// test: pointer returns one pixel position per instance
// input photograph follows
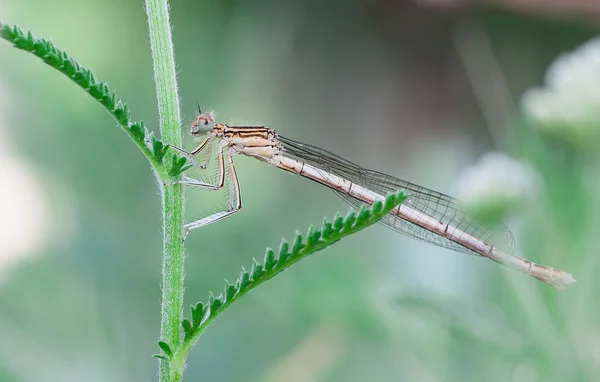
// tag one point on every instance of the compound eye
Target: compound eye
(203, 123)
(206, 119)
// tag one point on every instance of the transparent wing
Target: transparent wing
(434, 204)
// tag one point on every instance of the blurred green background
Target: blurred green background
(418, 89)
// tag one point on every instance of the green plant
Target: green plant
(178, 337)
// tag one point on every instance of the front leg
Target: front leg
(220, 181)
(220, 166)
(190, 155)
(235, 200)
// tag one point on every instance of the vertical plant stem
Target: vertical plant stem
(173, 276)
(172, 195)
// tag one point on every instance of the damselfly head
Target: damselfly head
(203, 123)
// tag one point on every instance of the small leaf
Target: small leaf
(178, 165)
(160, 356)
(165, 348)
(197, 314)
(187, 328)
(159, 149)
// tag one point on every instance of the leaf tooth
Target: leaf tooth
(217, 303)
(269, 259)
(197, 314)
(188, 330)
(298, 245)
(244, 278)
(338, 223)
(257, 270)
(363, 215)
(284, 253)
(377, 207)
(230, 291)
(327, 229)
(313, 238)
(350, 220)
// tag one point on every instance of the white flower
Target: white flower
(495, 186)
(24, 216)
(569, 101)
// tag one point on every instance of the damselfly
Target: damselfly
(426, 215)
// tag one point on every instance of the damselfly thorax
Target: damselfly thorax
(255, 141)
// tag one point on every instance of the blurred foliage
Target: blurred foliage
(380, 82)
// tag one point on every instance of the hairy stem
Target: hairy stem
(172, 195)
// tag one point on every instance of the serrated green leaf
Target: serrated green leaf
(316, 241)
(84, 77)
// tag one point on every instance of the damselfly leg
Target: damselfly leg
(235, 201)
